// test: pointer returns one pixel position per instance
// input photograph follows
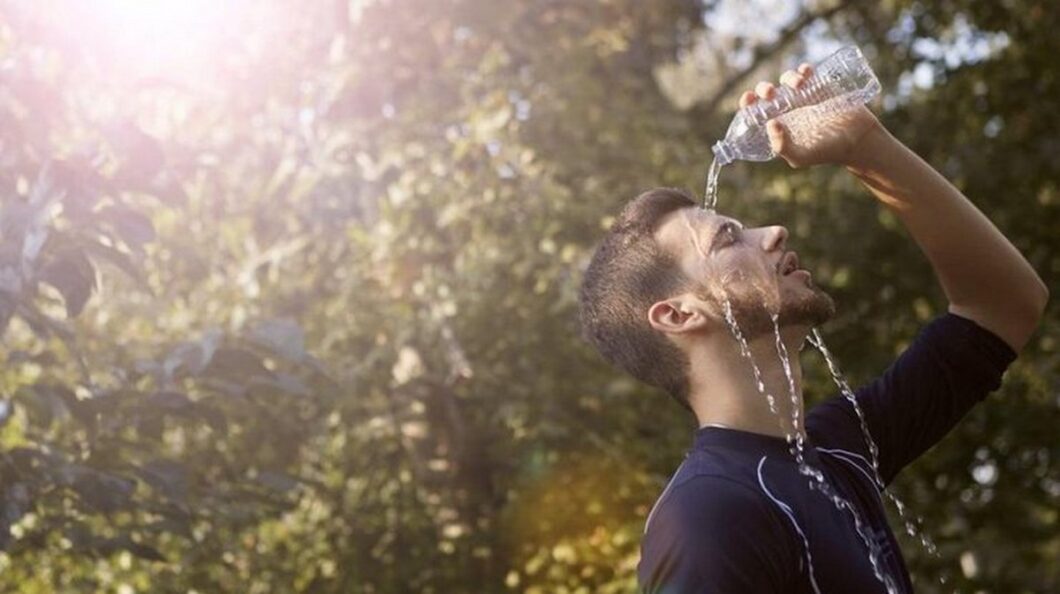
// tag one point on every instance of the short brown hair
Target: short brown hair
(628, 273)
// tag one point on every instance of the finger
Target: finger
(805, 69)
(765, 90)
(747, 98)
(778, 137)
(792, 79)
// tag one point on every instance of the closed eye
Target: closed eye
(726, 236)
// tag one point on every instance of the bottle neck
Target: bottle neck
(724, 153)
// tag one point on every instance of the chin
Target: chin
(810, 308)
(806, 306)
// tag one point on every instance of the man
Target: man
(658, 300)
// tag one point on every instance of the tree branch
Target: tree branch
(764, 52)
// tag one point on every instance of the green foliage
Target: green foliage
(305, 321)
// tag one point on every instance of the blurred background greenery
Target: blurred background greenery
(287, 289)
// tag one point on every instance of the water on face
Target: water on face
(818, 481)
(911, 526)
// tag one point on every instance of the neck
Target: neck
(725, 391)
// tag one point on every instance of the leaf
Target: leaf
(187, 355)
(211, 339)
(170, 525)
(213, 417)
(44, 326)
(150, 426)
(166, 476)
(167, 187)
(236, 363)
(15, 500)
(282, 335)
(125, 542)
(42, 406)
(118, 259)
(283, 382)
(73, 276)
(144, 551)
(43, 358)
(143, 153)
(133, 227)
(277, 481)
(81, 410)
(170, 401)
(7, 309)
(105, 492)
(194, 357)
(83, 185)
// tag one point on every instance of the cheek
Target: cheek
(747, 277)
(744, 266)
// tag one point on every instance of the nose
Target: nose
(775, 238)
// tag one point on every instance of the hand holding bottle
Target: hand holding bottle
(804, 139)
(820, 111)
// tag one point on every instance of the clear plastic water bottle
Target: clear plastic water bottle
(841, 82)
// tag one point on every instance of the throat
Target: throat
(756, 386)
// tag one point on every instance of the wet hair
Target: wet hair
(628, 273)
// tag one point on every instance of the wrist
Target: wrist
(868, 148)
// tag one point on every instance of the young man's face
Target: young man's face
(751, 268)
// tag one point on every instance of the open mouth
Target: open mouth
(788, 263)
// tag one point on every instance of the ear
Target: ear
(678, 315)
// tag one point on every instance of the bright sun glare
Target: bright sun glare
(145, 37)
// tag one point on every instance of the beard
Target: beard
(754, 316)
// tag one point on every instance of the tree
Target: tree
(303, 318)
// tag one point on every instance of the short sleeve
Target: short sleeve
(715, 535)
(951, 365)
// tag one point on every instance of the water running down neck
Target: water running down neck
(796, 436)
(817, 481)
(913, 527)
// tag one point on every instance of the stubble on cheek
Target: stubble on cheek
(756, 300)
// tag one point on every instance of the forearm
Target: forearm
(982, 274)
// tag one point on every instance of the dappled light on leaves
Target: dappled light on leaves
(288, 289)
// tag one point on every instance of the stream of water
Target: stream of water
(912, 527)
(710, 194)
(795, 434)
(796, 439)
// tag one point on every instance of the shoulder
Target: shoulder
(704, 503)
(718, 532)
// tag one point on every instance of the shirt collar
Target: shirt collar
(707, 438)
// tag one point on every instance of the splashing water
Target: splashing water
(818, 482)
(782, 352)
(912, 527)
(796, 438)
(710, 194)
(807, 470)
(745, 350)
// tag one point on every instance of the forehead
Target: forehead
(680, 227)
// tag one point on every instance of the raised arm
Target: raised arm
(983, 275)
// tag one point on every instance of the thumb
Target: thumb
(780, 142)
(778, 137)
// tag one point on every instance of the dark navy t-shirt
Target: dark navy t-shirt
(737, 517)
